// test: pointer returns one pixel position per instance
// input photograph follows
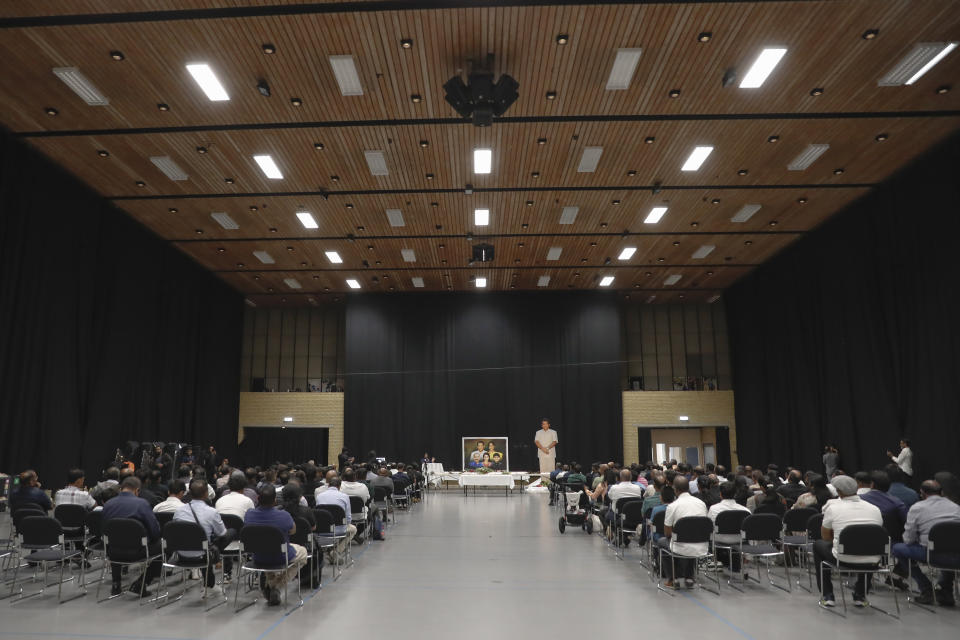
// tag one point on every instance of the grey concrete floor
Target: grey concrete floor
(488, 564)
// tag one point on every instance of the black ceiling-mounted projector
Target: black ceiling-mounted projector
(481, 98)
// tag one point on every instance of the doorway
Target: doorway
(692, 445)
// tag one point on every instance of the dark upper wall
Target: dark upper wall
(106, 332)
(850, 336)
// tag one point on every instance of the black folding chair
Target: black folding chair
(943, 554)
(795, 536)
(630, 516)
(656, 527)
(381, 500)
(728, 523)
(264, 540)
(93, 539)
(125, 543)
(71, 517)
(692, 530)
(182, 537)
(164, 517)
(862, 540)
(762, 533)
(358, 513)
(41, 542)
(232, 550)
(339, 518)
(304, 537)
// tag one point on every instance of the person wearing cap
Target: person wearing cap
(838, 514)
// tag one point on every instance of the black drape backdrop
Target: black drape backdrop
(425, 370)
(264, 445)
(850, 336)
(107, 333)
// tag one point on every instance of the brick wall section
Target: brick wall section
(269, 409)
(662, 408)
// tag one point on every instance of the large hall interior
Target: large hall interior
(525, 317)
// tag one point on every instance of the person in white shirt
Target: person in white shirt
(174, 499)
(904, 459)
(546, 441)
(235, 502)
(74, 493)
(728, 491)
(838, 514)
(684, 506)
(623, 489)
(351, 487)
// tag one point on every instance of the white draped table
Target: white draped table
(491, 481)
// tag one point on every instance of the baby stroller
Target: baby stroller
(576, 507)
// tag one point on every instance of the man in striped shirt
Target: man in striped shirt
(74, 492)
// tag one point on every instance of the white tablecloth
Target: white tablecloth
(486, 480)
(433, 467)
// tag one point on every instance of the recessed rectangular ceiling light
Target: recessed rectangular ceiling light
(624, 66)
(590, 159)
(807, 157)
(482, 160)
(376, 162)
(293, 283)
(209, 84)
(655, 215)
(169, 168)
(553, 253)
(915, 64)
(408, 255)
(333, 257)
(395, 217)
(696, 158)
(746, 212)
(79, 84)
(762, 67)
(306, 219)
(568, 215)
(353, 284)
(703, 251)
(269, 167)
(345, 71)
(264, 257)
(606, 281)
(543, 281)
(672, 279)
(480, 282)
(627, 253)
(684, 418)
(481, 217)
(224, 220)
(417, 282)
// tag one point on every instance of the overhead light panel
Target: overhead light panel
(307, 220)
(417, 282)
(480, 282)
(807, 157)
(353, 284)
(746, 212)
(79, 84)
(915, 64)
(762, 67)
(684, 418)
(624, 66)
(655, 215)
(345, 71)
(224, 220)
(481, 217)
(543, 281)
(264, 257)
(209, 84)
(293, 283)
(553, 253)
(703, 251)
(672, 279)
(627, 253)
(376, 162)
(395, 217)
(696, 158)
(482, 160)
(169, 168)
(568, 215)
(269, 167)
(606, 281)
(333, 257)
(408, 255)
(590, 159)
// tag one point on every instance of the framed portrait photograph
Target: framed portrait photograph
(488, 453)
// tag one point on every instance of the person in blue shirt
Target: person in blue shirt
(898, 488)
(266, 513)
(128, 504)
(667, 495)
(29, 492)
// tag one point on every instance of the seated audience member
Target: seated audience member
(201, 513)
(576, 477)
(235, 501)
(817, 494)
(330, 474)
(188, 457)
(146, 490)
(949, 485)
(709, 492)
(383, 479)
(847, 510)
(128, 504)
(930, 510)
(650, 501)
(333, 495)
(598, 479)
(267, 514)
(769, 502)
(401, 480)
(29, 492)
(872, 487)
(291, 502)
(174, 499)
(200, 474)
(623, 489)
(111, 478)
(667, 496)
(685, 505)
(727, 503)
(907, 495)
(74, 492)
(793, 488)
(370, 472)
(351, 487)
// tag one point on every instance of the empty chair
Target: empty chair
(259, 542)
(71, 517)
(630, 517)
(41, 541)
(760, 535)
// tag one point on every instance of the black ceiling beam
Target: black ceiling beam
(486, 265)
(494, 236)
(323, 8)
(339, 124)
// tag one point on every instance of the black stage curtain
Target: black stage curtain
(265, 445)
(107, 333)
(425, 370)
(850, 336)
